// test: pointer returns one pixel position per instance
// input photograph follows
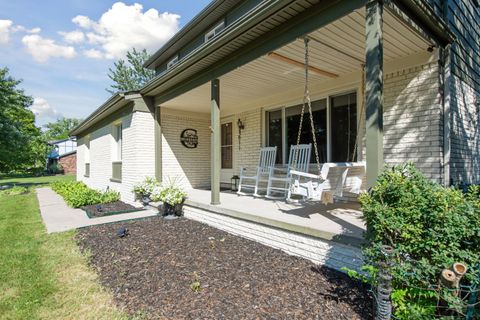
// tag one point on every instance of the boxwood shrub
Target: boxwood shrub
(430, 227)
(77, 194)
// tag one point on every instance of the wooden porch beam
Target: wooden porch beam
(279, 57)
(215, 157)
(374, 89)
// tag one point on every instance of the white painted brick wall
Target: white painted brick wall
(246, 154)
(465, 133)
(138, 159)
(319, 251)
(190, 166)
(412, 119)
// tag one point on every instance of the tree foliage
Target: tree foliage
(130, 75)
(59, 129)
(20, 140)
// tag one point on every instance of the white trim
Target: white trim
(214, 31)
(172, 62)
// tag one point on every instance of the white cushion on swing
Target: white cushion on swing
(334, 179)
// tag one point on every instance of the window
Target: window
(282, 128)
(172, 62)
(87, 156)
(87, 149)
(117, 136)
(292, 122)
(274, 132)
(227, 147)
(343, 117)
(216, 30)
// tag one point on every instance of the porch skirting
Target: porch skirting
(320, 251)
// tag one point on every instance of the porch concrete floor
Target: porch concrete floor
(332, 221)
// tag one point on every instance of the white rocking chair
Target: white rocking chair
(334, 179)
(267, 160)
(279, 179)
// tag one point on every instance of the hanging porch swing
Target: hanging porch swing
(332, 178)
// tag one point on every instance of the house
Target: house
(63, 154)
(390, 82)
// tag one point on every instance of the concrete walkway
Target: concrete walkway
(57, 216)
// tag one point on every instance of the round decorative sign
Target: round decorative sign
(189, 138)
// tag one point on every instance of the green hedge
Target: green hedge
(430, 227)
(77, 194)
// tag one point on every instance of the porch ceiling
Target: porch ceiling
(338, 48)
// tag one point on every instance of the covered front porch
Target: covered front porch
(367, 65)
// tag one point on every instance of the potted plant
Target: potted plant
(143, 190)
(173, 198)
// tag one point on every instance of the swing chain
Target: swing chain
(307, 101)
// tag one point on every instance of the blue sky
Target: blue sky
(62, 49)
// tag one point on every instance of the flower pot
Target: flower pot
(172, 210)
(146, 200)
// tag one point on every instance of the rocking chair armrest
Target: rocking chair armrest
(305, 174)
(278, 169)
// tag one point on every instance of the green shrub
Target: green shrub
(430, 227)
(14, 191)
(77, 194)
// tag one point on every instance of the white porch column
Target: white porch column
(215, 157)
(374, 89)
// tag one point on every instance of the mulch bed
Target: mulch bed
(108, 209)
(152, 271)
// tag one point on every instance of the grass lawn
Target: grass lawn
(44, 276)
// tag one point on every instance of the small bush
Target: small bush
(77, 194)
(430, 227)
(14, 191)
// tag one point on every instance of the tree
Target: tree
(60, 129)
(20, 139)
(130, 75)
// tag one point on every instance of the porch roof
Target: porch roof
(263, 29)
(337, 48)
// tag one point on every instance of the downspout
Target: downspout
(446, 99)
(445, 88)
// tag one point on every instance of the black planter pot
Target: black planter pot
(175, 210)
(145, 200)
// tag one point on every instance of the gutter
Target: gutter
(427, 17)
(191, 25)
(231, 32)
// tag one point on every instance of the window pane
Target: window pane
(227, 134)
(344, 127)
(227, 149)
(227, 161)
(292, 118)
(274, 132)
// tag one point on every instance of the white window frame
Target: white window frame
(172, 62)
(317, 97)
(214, 31)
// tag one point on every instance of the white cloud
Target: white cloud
(76, 36)
(124, 27)
(5, 29)
(83, 21)
(93, 53)
(43, 110)
(20, 28)
(43, 49)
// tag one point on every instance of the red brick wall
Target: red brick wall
(69, 163)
